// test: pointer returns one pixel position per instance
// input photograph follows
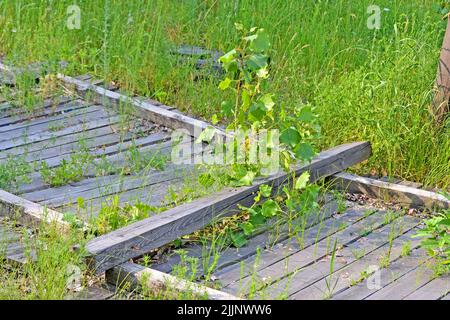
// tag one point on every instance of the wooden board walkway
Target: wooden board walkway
(57, 132)
(376, 257)
(275, 263)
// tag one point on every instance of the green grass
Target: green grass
(365, 84)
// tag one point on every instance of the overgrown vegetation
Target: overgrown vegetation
(366, 84)
(14, 171)
(437, 240)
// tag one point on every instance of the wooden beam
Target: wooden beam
(145, 109)
(136, 275)
(442, 95)
(26, 212)
(392, 192)
(143, 236)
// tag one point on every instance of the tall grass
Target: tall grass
(366, 84)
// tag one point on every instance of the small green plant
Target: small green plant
(13, 172)
(251, 108)
(113, 215)
(437, 240)
(406, 249)
(68, 171)
(137, 161)
(329, 280)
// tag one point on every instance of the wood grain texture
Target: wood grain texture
(26, 212)
(389, 191)
(146, 110)
(135, 274)
(139, 238)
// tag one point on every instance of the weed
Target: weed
(14, 171)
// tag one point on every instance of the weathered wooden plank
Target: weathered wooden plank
(115, 159)
(64, 121)
(143, 236)
(348, 268)
(93, 145)
(152, 195)
(135, 274)
(396, 269)
(288, 271)
(39, 147)
(92, 293)
(146, 110)
(405, 285)
(261, 240)
(5, 145)
(34, 70)
(433, 290)
(127, 188)
(72, 107)
(12, 113)
(27, 212)
(11, 248)
(240, 272)
(388, 191)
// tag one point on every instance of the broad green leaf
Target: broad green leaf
(238, 239)
(258, 111)
(265, 190)
(228, 57)
(290, 137)
(251, 38)
(257, 61)
(257, 219)
(206, 135)
(227, 108)
(225, 83)
(246, 100)
(270, 208)
(248, 228)
(268, 101)
(246, 180)
(304, 151)
(214, 119)
(261, 43)
(306, 114)
(302, 181)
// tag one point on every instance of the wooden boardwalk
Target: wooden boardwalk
(365, 252)
(59, 131)
(376, 257)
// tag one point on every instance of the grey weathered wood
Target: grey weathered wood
(388, 191)
(229, 256)
(48, 105)
(433, 290)
(348, 268)
(146, 110)
(44, 136)
(27, 212)
(46, 121)
(287, 270)
(135, 274)
(405, 285)
(138, 238)
(92, 293)
(396, 269)
(91, 114)
(11, 247)
(282, 251)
